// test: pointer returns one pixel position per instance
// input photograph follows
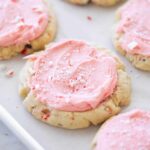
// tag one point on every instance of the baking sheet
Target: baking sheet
(72, 23)
(8, 140)
(19, 133)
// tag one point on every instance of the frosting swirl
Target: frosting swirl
(21, 21)
(73, 76)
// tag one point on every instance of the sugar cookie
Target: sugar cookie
(25, 26)
(132, 37)
(73, 85)
(128, 131)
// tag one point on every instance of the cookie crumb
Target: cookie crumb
(132, 45)
(37, 9)
(17, 107)
(10, 73)
(89, 18)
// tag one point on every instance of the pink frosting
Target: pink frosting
(73, 76)
(129, 131)
(21, 21)
(135, 25)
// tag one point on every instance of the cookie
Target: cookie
(25, 27)
(97, 2)
(79, 2)
(73, 84)
(132, 33)
(128, 131)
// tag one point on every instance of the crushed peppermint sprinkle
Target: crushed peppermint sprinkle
(37, 9)
(31, 71)
(50, 64)
(89, 18)
(37, 86)
(68, 72)
(75, 82)
(17, 19)
(72, 83)
(81, 79)
(10, 73)
(113, 131)
(93, 69)
(50, 78)
(45, 116)
(132, 45)
(20, 23)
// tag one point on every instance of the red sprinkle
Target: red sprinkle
(89, 18)
(45, 116)
(108, 109)
(23, 52)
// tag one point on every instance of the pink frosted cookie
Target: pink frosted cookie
(73, 85)
(128, 131)
(25, 26)
(132, 36)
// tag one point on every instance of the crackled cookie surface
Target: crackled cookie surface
(128, 131)
(133, 32)
(21, 23)
(73, 78)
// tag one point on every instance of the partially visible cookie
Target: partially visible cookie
(80, 2)
(73, 85)
(128, 131)
(97, 2)
(132, 37)
(105, 2)
(25, 26)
